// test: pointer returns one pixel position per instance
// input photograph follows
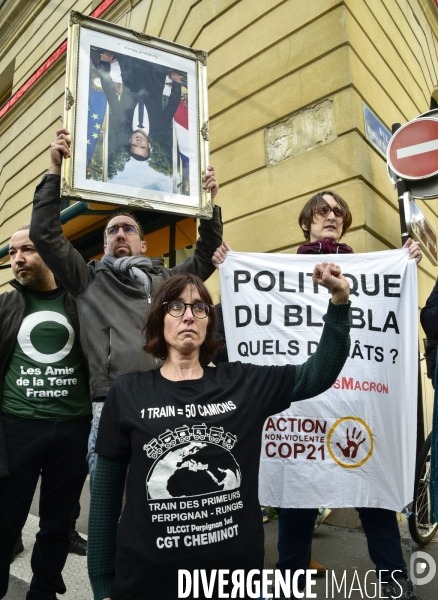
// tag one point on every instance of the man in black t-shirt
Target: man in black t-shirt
(46, 414)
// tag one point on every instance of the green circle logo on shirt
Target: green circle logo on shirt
(32, 321)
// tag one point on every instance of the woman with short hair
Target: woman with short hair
(191, 436)
(324, 219)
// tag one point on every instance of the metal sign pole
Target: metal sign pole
(401, 189)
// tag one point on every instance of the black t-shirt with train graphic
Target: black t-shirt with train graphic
(192, 488)
(193, 449)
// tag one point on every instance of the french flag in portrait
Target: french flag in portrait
(181, 119)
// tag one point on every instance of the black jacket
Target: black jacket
(429, 322)
(12, 311)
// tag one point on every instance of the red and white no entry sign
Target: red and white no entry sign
(413, 149)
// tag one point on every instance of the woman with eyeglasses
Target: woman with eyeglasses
(324, 219)
(191, 436)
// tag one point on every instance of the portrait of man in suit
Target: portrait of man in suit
(142, 92)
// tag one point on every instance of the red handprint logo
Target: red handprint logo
(350, 442)
(353, 443)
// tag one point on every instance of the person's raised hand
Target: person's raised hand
(210, 184)
(414, 250)
(220, 254)
(59, 149)
(329, 276)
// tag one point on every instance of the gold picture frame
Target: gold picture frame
(136, 108)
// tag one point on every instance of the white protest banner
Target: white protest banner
(353, 445)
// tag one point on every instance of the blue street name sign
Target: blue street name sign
(375, 131)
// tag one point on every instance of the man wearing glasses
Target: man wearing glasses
(114, 293)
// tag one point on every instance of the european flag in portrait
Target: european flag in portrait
(96, 112)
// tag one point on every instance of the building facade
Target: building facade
(288, 81)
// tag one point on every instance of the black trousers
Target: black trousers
(58, 452)
(295, 533)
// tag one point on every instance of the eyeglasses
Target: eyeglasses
(324, 210)
(177, 308)
(114, 229)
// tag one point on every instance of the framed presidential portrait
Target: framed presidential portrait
(136, 108)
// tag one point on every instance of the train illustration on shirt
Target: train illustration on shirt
(168, 439)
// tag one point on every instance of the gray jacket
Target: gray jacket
(112, 307)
